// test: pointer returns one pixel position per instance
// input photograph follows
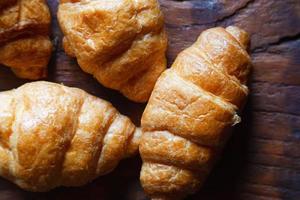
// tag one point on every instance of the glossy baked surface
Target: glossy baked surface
(190, 113)
(121, 43)
(52, 135)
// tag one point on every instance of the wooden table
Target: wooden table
(262, 160)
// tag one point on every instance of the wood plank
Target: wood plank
(262, 159)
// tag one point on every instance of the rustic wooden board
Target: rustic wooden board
(262, 160)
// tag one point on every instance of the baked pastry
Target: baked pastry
(24, 37)
(121, 43)
(53, 135)
(190, 112)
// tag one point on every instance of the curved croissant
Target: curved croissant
(24, 37)
(52, 135)
(121, 43)
(191, 109)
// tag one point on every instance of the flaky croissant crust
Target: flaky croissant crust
(190, 112)
(53, 135)
(121, 43)
(24, 37)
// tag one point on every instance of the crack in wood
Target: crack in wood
(277, 84)
(276, 112)
(280, 41)
(286, 166)
(266, 191)
(219, 20)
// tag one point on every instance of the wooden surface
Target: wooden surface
(262, 160)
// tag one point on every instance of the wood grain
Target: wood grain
(262, 159)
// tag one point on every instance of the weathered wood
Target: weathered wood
(262, 159)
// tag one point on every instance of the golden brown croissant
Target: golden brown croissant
(190, 112)
(121, 43)
(52, 135)
(24, 37)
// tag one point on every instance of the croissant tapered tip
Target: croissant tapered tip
(240, 35)
(133, 145)
(31, 73)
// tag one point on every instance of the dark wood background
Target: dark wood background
(262, 160)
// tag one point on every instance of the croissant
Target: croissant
(191, 109)
(24, 37)
(52, 135)
(121, 43)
